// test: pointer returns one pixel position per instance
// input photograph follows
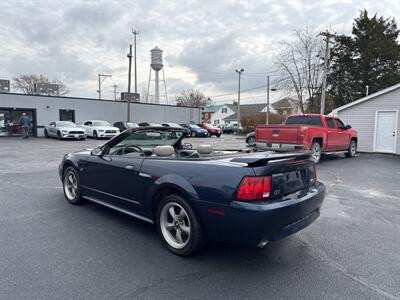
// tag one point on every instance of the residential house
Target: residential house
(208, 112)
(284, 106)
(227, 113)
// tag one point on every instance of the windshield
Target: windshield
(101, 123)
(304, 120)
(194, 126)
(149, 139)
(132, 125)
(209, 126)
(65, 124)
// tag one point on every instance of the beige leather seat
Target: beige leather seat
(164, 151)
(205, 150)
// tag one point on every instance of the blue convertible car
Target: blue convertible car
(195, 195)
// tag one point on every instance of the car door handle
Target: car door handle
(129, 167)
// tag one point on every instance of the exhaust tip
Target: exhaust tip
(262, 243)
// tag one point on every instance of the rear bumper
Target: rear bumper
(279, 146)
(252, 223)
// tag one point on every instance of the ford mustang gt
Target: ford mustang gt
(196, 195)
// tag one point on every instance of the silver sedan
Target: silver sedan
(64, 130)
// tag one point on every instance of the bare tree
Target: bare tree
(299, 66)
(191, 97)
(26, 84)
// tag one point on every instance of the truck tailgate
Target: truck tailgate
(278, 134)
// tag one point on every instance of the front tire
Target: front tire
(46, 134)
(351, 152)
(59, 135)
(71, 186)
(179, 226)
(316, 152)
(193, 134)
(95, 135)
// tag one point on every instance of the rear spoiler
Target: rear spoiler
(262, 159)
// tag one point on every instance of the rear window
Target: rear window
(304, 120)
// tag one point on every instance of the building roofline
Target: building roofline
(369, 97)
(92, 99)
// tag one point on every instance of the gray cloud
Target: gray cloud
(203, 42)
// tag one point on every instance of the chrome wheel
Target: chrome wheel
(251, 141)
(316, 152)
(70, 185)
(353, 148)
(175, 225)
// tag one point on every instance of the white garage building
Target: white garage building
(376, 118)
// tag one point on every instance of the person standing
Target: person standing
(25, 122)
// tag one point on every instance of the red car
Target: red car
(212, 130)
(318, 133)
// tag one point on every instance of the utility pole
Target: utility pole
(128, 117)
(104, 76)
(267, 118)
(327, 36)
(135, 33)
(115, 91)
(238, 108)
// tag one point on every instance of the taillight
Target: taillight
(254, 188)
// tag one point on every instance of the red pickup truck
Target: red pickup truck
(317, 133)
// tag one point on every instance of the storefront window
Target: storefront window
(9, 122)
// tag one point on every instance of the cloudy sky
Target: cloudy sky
(203, 41)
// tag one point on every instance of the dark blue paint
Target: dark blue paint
(206, 184)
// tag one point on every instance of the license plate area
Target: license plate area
(288, 183)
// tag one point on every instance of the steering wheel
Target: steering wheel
(134, 148)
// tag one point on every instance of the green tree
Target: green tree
(369, 57)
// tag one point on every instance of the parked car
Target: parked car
(211, 129)
(125, 125)
(194, 195)
(147, 124)
(64, 130)
(195, 131)
(251, 139)
(187, 131)
(99, 129)
(231, 128)
(317, 133)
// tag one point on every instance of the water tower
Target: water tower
(156, 65)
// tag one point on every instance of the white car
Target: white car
(64, 130)
(99, 129)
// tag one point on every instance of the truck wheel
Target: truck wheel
(251, 141)
(351, 152)
(316, 152)
(179, 226)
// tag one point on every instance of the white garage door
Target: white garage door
(386, 131)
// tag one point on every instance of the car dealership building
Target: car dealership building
(44, 109)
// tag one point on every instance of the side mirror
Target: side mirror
(187, 146)
(347, 127)
(97, 151)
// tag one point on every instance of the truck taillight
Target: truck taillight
(254, 188)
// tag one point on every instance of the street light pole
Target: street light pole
(238, 104)
(128, 117)
(267, 118)
(101, 81)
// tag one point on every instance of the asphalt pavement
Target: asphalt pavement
(50, 249)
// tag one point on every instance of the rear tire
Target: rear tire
(179, 226)
(316, 152)
(251, 141)
(351, 152)
(71, 186)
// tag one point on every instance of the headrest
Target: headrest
(165, 150)
(204, 149)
